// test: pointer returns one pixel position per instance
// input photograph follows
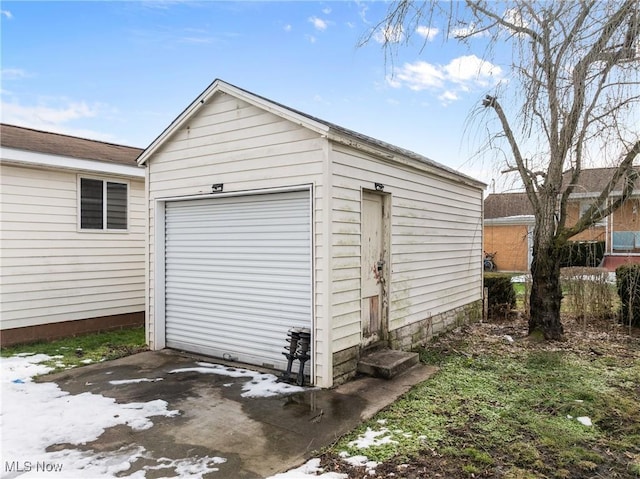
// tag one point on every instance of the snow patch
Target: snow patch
(118, 382)
(360, 461)
(309, 469)
(35, 416)
(259, 384)
(584, 420)
(372, 438)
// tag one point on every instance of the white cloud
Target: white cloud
(197, 40)
(46, 114)
(311, 38)
(318, 23)
(428, 33)
(362, 11)
(419, 76)
(287, 28)
(389, 34)
(448, 97)
(467, 30)
(460, 75)
(6, 13)
(56, 118)
(326, 10)
(13, 74)
(470, 68)
(513, 16)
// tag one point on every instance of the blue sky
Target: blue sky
(122, 71)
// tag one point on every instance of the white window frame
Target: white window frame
(582, 209)
(104, 180)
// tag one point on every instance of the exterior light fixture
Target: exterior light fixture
(217, 187)
(379, 186)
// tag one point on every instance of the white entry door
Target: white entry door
(372, 268)
(238, 275)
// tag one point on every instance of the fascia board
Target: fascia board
(219, 86)
(33, 158)
(393, 157)
(511, 220)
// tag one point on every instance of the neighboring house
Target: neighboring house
(508, 230)
(72, 235)
(264, 219)
(509, 222)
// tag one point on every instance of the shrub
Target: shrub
(628, 285)
(501, 294)
(587, 293)
(582, 253)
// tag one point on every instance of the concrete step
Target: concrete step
(386, 363)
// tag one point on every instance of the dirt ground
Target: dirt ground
(604, 338)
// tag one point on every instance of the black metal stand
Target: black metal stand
(299, 343)
(293, 336)
(303, 355)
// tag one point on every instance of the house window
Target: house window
(584, 206)
(103, 204)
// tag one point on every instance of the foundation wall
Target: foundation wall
(408, 338)
(65, 329)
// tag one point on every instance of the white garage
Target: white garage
(235, 265)
(263, 219)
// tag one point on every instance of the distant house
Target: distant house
(509, 222)
(508, 230)
(264, 219)
(72, 235)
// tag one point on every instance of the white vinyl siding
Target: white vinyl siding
(249, 145)
(238, 275)
(49, 271)
(232, 142)
(436, 242)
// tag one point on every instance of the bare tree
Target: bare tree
(573, 88)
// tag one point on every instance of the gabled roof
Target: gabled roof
(57, 144)
(502, 205)
(592, 182)
(324, 128)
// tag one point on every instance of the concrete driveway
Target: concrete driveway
(258, 436)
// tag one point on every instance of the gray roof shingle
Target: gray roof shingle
(64, 145)
(504, 205)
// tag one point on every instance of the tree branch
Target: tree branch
(596, 213)
(492, 102)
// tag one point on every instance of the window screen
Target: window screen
(91, 204)
(103, 204)
(116, 206)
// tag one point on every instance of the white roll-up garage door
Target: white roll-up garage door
(238, 275)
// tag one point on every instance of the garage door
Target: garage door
(238, 275)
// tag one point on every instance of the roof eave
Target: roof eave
(511, 220)
(219, 86)
(29, 158)
(421, 163)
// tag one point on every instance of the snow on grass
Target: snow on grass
(360, 461)
(310, 469)
(259, 384)
(372, 438)
(584, 420)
